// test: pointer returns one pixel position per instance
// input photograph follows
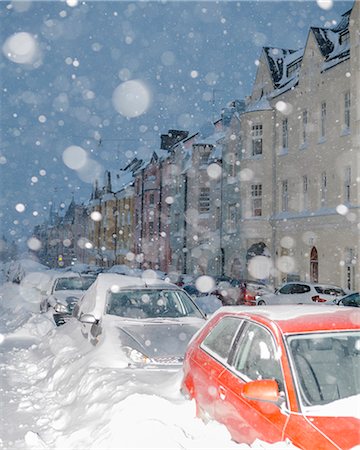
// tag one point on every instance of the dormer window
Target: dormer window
(292, 68)
(344, 37)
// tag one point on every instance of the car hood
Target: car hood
(156, 338)
(343, 431)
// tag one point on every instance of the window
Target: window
(204, 154)
(256, 357)
(285, 134)
(322, 120)
(204, 200)
(151, 199)
(232, 165)
(304, 126)
(218, 342)
(177, 222)
(256, 199)
(294, 289)
(292, 68)
(284, 196)
(347, 185)
(323, 189)
(345, 38)
(256, 134)
(305, 191)
(350, 260)
(151, 228)
(347, 110)
(232, 218)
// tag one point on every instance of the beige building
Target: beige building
(297, 145)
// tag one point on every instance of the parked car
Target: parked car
(227, 289)
(123, 269)
(232, 291)
(352, 299)
(150, 321)
(250, 290)
(62, 293)
(301, 292)
(208, 303)
(272, 376)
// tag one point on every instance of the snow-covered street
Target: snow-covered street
(57, 391)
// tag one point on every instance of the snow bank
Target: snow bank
(58, 396)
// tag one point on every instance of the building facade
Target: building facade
(299, 159)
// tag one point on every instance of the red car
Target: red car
(274, 374)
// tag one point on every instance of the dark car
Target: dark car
(350, 300)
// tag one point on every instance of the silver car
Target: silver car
(63, 292)
(298, 292)
(151, 321)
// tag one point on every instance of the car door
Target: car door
(294, 293)
(254, 358)
(208, 361)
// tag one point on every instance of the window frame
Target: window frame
(210, 351)
(204, 200)
(347, 113)
(257, 139)
(285, 134)
(347, 185)
(256, 198)
(323, 113)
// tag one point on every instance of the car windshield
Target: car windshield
(326, 366)
(151, 303)
(74, 283)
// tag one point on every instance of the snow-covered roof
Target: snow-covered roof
(333, 47)
(284, 64)
(122, 180)
(277, 61)
(262, 104)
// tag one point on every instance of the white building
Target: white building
(297, 145)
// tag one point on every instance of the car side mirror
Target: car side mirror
(88, 318)
(262, 390)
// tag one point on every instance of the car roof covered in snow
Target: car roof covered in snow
(300, 318)
(94, 300)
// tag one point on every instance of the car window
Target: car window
(327, 366)
(329, 290)
(256, 357)
(351, 300)
(286, 289)
(218, 342)
(73, 283)
(301, 288)
(151, 303)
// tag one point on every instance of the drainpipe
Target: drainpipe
(272, 220)
(185, 224)
(222, 250)
(160, 211)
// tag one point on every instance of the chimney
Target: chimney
(171, 138)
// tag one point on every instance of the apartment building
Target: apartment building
(298, 148)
